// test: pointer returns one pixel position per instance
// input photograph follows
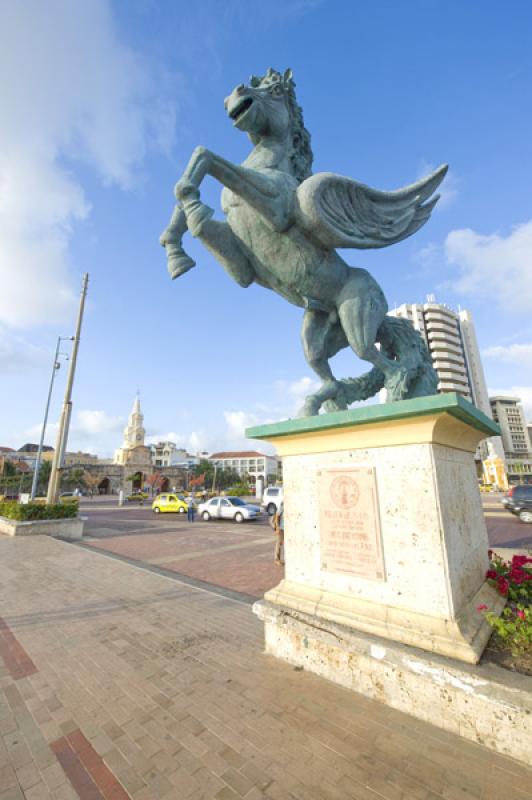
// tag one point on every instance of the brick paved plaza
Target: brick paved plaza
(238, 558)
(148, 682)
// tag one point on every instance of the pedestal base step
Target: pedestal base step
(483, 703)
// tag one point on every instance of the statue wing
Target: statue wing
(341, 212)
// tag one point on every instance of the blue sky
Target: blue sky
(105, 102)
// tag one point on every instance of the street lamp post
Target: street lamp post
(64, 420)
(55, 367)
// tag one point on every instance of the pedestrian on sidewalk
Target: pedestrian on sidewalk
(277, 523)
(190, 508)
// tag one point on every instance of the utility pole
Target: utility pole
(66, 411)
(55, 367)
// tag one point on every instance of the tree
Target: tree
(91, 480)
(223, 478)
(16, 476)
(9, 469)
(155, 480)
(73, 478)
(45, 469)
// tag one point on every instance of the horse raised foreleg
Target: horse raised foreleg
(259, 190)
(220, 240)
(178, 261)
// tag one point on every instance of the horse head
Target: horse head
(267, 108)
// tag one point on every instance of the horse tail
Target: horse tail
(363, 387)
(404, 344)
(415, 376)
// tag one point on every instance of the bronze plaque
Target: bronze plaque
(350, 533)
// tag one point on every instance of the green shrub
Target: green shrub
(34, 511)
(239, 490)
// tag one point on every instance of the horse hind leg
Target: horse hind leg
(361, 318)
(322, 337)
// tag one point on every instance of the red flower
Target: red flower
(482, 607)
(502, 585)
(491, 574)
(520, 613)
(520, 561)
(517, 576)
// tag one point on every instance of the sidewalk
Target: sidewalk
(118, 683)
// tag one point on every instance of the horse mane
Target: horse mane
(302, 156)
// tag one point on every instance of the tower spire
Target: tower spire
(136, 404)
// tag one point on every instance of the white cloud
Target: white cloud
(17, 355)
(91, 430)
(96, 423)
(448, 190)
(72, 91)
(495, 267)
(287, 399)
(520, 354)
(291, 395)
(524, 393)
(191, 442)
(237, 422)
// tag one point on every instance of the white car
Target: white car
(272, 499)
(228, 508)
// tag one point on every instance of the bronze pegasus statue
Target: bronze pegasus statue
(283, 225)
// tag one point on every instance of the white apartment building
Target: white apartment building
(168, 454)
(452, 343)
(248, 462)
(508, 413)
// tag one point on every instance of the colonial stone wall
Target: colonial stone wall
(114, 477)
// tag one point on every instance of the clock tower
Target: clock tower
(133, 451)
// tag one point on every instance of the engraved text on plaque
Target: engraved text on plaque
(350, 532)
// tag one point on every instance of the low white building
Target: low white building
(248, 462)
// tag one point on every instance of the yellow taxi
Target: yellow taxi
(169, 502)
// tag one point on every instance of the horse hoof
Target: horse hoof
(178, 262)
(310, 408)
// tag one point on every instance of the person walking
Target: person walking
(190, 508)
(277, 523)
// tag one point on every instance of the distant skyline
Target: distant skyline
(104, 104)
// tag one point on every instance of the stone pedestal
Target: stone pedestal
(384, 530)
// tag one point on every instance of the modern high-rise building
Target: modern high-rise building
(508, 413)
(452, 343)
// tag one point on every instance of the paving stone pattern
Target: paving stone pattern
(236, 557)
(146, 688)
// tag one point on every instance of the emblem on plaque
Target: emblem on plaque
(344, 491)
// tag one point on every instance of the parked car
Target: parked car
(518, 500)
(272, 499)
(228, 508)
(169, 502)
(138, 497)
